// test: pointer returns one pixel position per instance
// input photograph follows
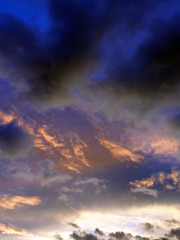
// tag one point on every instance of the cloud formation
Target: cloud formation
(13, 230)
(145, 190)
(47, 70)
(12, 202)
(169, 181)
(14, 140)
(175, 232)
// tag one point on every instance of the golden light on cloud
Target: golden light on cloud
(13, 230)
(7, 118)
(49, 138)
(148, 182)
(120, 152)
(165, 146)
(12, 202)
(169, 181)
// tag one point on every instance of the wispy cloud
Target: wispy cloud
(12, 202)
(13, 230)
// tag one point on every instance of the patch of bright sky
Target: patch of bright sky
(128, 220)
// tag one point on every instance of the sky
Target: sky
(89, 120)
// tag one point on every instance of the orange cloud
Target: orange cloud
(162, 178)
(13, 230)
(49, 138)
(11, 202)
(148, 182)
(175, 176)
(169, 181)
(119, 152)
(165, 146)
(7, 118)
(75, 158)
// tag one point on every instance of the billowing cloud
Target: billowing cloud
(120, 236)
(48, 70)
(107, 75)
(83, 236)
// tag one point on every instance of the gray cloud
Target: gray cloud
(58, 237)
(14, 140)
(46, 70)
(120, 236)
(148, 227)
(175, 232)
(48, 175)
(74, 225)
(145, 190)
(83, 236)
(99, 232)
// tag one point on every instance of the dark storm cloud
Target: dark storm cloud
(154, 70)
(83, 236)
(99, 232)
(112, 236)
(141, 238)
(46, 66)
(14, 140)
(175, 232)
(120, 236)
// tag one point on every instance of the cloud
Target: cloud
(172, 222)
(148, 182)
(83, 236)
(99, 232)
(93, 181)
(13, 230)
(120, 236)
(58, 237)
(48, 175)
(169, 181)
(145, 190)
(120, 152)
(143, 238)
(12, 202)
(155, 58)
(148, 227)
(71, 190)
(14, 140)
(74, 225)
(175, 232)
(7, 118)
(47, 70)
